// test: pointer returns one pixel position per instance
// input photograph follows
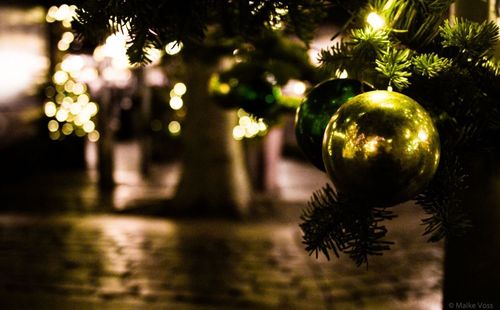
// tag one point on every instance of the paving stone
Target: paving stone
(75, 260)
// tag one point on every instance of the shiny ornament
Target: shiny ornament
(315, 112)
(254, 94)
(381, 147)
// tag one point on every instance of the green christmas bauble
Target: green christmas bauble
(255, 95)
(381, 147)
(315, 112)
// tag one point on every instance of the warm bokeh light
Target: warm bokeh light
(294, 88)
(89, 126)
(50, 109)
(176, 103)
(174, 127)
(93, 136)
(238, 132)
(63, 13)
(248, 127)
(23, 60)
(180, 89)
(60, 77)
(67, 129)
(173, 48)
(62, 115)
(53, 126)
(68, 101)
(375, 20)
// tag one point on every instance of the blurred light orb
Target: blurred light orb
(68, 37)
(63, 45)
(60, 77)
(174, 127)
(180, 89)
(176, 103)
(72, 63)
(173, 47)
(238, 132)
(154, 55)
(67, 129)
(375, 21)
(62, 115)
(53, 125)
(50, 109)
(93, 136)
(89, 126)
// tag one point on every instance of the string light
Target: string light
(68, 102)
(173, 47)
(248, 127)
(180, 89)
(375, 21)
(176, 103)
(174, 127)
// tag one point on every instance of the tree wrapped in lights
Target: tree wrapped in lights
(69, 106)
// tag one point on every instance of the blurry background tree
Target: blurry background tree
(213, 179)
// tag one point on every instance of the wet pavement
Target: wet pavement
(62, 247)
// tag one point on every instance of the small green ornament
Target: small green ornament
(254, 94)
(381, 147)
(315, 112)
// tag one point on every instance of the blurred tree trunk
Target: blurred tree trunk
(214, 180)
(105, 144)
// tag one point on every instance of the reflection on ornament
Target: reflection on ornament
(315, 112)
(381, 147)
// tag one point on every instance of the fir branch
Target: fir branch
(394, 65)
(430, 65)
(493, 66)
(336, 58)
(336, 223)
(441, 201)
(367, 43)
(474, 40)
(414, 22)
(156, 23)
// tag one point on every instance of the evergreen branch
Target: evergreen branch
(430, 65)
(442, 203)
(156, 23)
(473, 39)
(414, 22)
(493, 66)
(437, 5)
(367, 43)
(338, 224)
(394, 65)
(337, 57)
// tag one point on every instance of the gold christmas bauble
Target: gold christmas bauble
(381, 147)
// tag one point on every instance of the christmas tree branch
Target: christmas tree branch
(394, 64)
(441, 201)
(474, 40)
(334, 223)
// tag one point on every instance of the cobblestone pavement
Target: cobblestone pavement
(89, 258)
(122, 262)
